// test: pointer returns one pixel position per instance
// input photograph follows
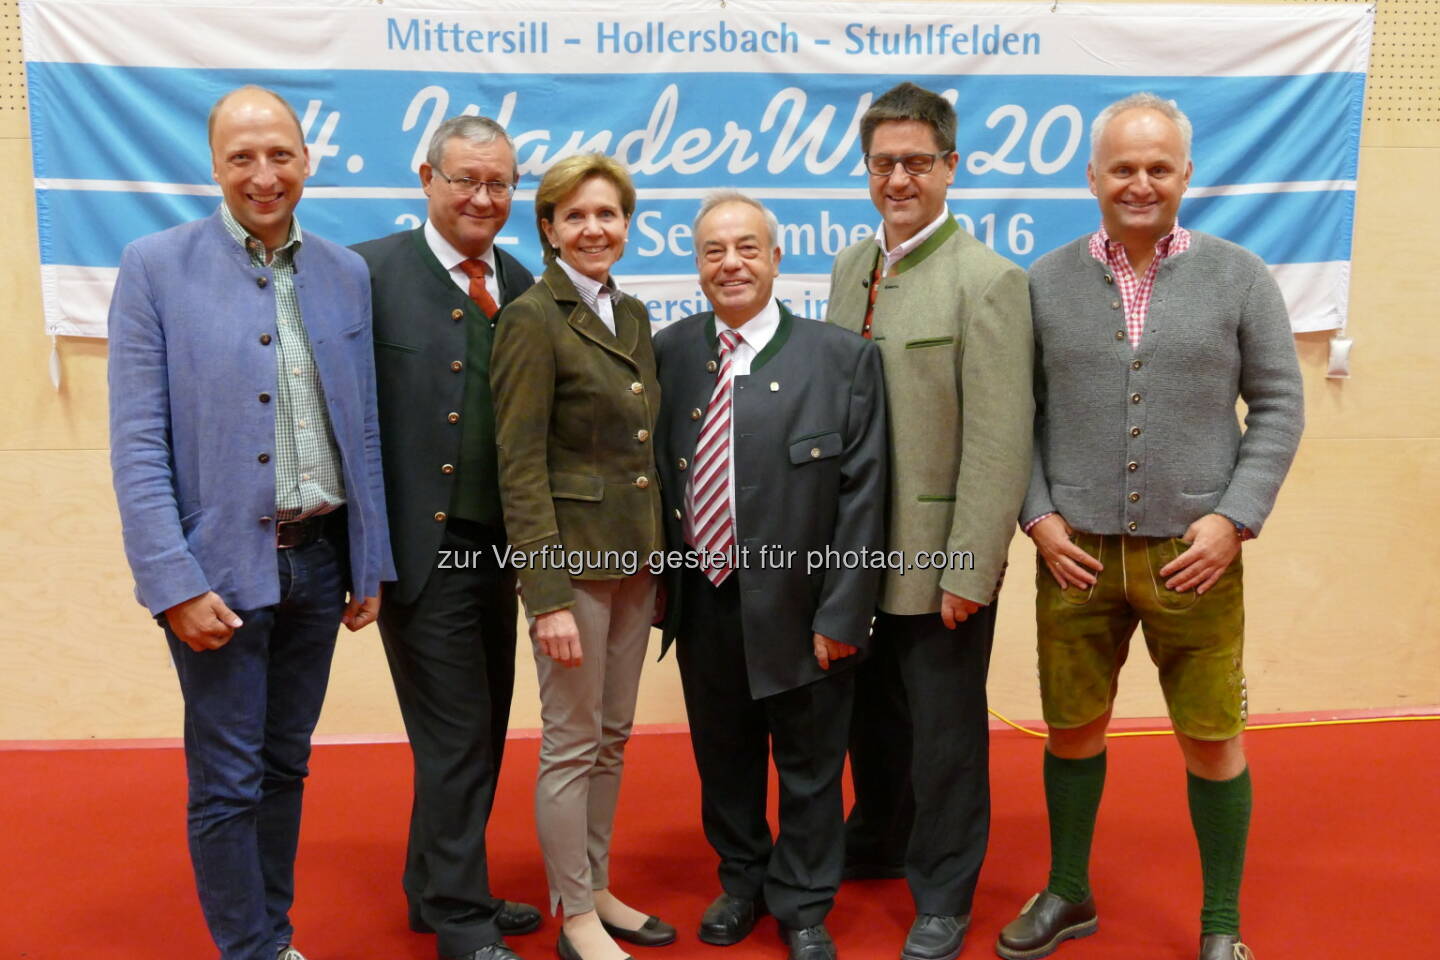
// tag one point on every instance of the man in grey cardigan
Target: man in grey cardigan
(1142, 491)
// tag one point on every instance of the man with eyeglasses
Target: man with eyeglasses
(448, 625)
(952, 320)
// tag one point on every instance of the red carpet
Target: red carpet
(1343, 854)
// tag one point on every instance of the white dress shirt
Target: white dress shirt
(598, 296)
(894, 256)
(450, 259)
(755, 335)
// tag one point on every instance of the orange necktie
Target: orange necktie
(476, 270)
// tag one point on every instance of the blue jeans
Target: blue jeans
(250, 708)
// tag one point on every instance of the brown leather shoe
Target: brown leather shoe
(1223, 946)
(1045, 922)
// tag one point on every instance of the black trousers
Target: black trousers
(920, 756)
(452, 658)
(734, 737)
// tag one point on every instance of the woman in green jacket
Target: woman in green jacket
(576, 398)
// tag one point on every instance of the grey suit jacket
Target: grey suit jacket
(809, 455)
(1147, 441)
(421, 317)
(953, 325)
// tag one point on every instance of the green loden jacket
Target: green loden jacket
(575, 407)
(952, 321)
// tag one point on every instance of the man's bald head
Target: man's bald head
(250, 94)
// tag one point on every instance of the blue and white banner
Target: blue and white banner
(763, 95)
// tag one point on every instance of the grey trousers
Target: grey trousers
(587, 712)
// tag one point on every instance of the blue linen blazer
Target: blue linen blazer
(192, 349)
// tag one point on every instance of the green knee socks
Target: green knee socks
(1220, 812)
(1072, 797)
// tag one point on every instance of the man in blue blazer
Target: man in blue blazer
(449, 620)
(246, 459)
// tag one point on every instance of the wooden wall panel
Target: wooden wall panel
(1394, 308)
(37, 417)
(14, 115)
(80, 658)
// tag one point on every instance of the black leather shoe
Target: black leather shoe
(654, 932)
(865, 870)
(567, 950)
(515, 919)
(491, 951)
(1044, 923)
(1223, 946)
(935, 937)
(809, 943)
(728, 920)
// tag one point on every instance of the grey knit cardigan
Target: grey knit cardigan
(1146, 441)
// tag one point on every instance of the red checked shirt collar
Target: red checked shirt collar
(1136, 291)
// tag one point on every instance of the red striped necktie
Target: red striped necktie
(711, 528)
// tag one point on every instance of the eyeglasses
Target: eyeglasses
(915, 164)
(469, 186)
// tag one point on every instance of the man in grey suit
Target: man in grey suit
(771, 450)
(952, 320)
(1143, 490)
(448, 623)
